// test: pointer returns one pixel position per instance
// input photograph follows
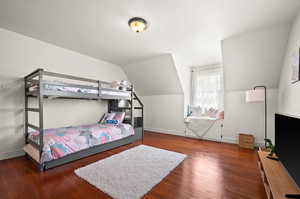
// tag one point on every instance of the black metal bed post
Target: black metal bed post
(32, 75)
(26, 111)
(41, 116)
(132, 106)
(142, 123)
(265, 93)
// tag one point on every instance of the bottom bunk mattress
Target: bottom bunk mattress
(60, 142)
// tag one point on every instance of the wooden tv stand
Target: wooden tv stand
(276, 179)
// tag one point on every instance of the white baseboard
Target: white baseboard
(166, 131)
(182, 133)
(230, 140)
(204, 138)
(11, 154)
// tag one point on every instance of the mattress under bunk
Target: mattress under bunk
(61, 142)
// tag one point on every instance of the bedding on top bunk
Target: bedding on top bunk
(74, 89)
(63, 141)
(65, 89)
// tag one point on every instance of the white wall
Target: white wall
(20, 55)
(159, 82)
(184, 75)
(164, 113)
(242, 117)
(254, 58)
(289, 94)
(251, 59)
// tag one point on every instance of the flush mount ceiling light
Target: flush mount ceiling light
(137, 24)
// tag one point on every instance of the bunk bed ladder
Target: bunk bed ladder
(141, 107)
(29, 79)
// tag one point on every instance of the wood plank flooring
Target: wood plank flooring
(211, 171)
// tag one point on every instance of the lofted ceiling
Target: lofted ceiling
(154, 76)
(189, 29)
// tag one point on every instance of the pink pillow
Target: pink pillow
(220, 115)
(109, 116)
(119, 116)
(212, 112)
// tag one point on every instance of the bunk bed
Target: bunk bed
(41, 84)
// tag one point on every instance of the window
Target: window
(207, 89)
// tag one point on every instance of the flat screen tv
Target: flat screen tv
(287, 144)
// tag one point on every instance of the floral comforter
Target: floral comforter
(63, 141)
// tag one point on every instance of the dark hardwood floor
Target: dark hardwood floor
(211, 171)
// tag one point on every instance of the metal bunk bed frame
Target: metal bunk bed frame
(37, 77)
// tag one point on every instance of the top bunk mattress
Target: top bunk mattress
(61, 89)
(60, 142)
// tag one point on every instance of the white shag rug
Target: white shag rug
(131, 173)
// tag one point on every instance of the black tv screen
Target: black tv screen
(287, 144)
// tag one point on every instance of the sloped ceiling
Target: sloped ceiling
(154, 76)
(191, 30)
(254, 58)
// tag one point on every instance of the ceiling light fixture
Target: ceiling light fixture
(137, 24)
